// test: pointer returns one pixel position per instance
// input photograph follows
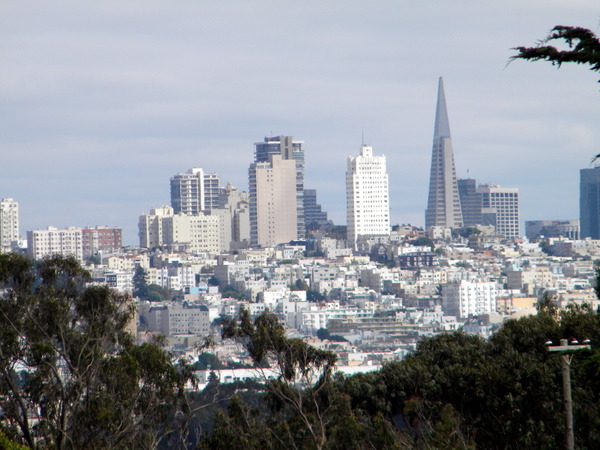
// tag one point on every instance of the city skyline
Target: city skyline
(101, 104)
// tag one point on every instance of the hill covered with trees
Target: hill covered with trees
(71, 376)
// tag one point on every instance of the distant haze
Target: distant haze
(102, 102)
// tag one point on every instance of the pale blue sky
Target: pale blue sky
(102, 102)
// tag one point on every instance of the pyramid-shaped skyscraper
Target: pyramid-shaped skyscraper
(443, 204)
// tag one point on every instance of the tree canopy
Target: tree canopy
(583, 48)
(455, 391)
(71, 375)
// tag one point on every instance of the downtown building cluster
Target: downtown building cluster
(216, 249)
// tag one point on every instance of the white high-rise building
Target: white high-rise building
(9, 225)
(55, 241)
(469, 298)
(194, 192)
(367, 195)
(500, 208)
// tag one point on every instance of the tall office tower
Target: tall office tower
(500, 208)
(443, 204)
(470, 202)
(9, 225)
(287, 148)
(194, 191)
(367, 196)
(589, 202)
(314, 216)
(273, 201)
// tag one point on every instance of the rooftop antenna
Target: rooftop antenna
(363, 136)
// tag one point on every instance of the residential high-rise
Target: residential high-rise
(194, 191)
(500, 208)
(273, 201)
(54, 241)
(589, 202)
(101, 239)
(288, 149)
(443, 204)
(469, 298)
(212, 191)
(9, 225)
(193, 233)
(235, 218)
(367, 195)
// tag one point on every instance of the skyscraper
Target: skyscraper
(589, 202)
(443, 204)
(470, 202)
(288, 149)
(273, 201)
(9, 225)
(500, 208)
(367, 197)
(194, 191)
(313, 213)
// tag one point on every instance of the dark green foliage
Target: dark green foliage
(303, 407)
(465, 232)
(459, 391)
(323, 333)
(299, 285)
(84, 383)
(230, 291)
(140, 283)
(314, 296)
(583, 48)
(455, 391)
(206, 360)
(7, 444)
(422, 242)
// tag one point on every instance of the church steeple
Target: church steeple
(443, 205)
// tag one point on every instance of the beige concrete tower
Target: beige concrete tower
(273, 199)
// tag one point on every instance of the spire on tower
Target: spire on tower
(442, 124)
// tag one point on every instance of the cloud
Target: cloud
(101, 102)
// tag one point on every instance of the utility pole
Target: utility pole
(565, 359)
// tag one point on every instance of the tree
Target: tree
(140, 283)
(70, 373)
(422, 242)
(208, 360)
(305, 412)
(583, 48)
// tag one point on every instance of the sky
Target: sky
(101, 102)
